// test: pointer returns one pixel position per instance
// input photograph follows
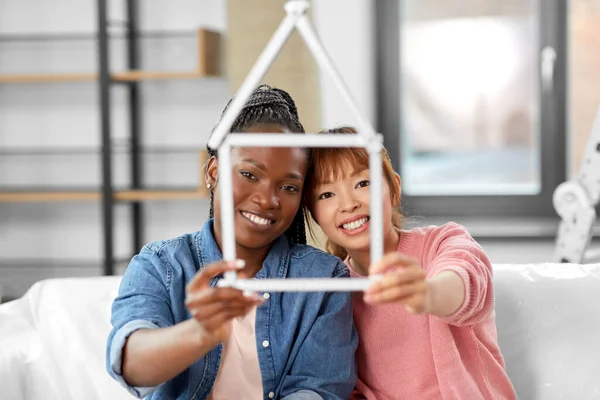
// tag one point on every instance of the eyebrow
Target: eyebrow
(289, 175)
(356, 172)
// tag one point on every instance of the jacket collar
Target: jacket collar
(275, 265)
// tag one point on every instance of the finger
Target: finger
(202, 278)
(213, 307)
(218, 295)
(390, 260)
(208, 311)
(396, 278)
(397, 294)
(211, 318)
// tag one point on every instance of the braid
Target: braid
(268, 106)
(275, 106)
(290, 103)
(296, 233)
(211, 210)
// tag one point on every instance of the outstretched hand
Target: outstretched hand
(213, 307)
(402, 281)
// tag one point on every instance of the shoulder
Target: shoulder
(436, 233)
(450, 231)
(435, 230)
(315, 262)
(171, 259)
(423, 241)
(162, 247)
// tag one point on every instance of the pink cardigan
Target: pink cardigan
(405, 356)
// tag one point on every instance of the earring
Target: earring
(208, 185)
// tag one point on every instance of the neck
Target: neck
(360, 260)
(254, 258)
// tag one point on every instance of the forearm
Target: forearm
(154, 356)
(446, 293)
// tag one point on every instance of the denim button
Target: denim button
(265, 343)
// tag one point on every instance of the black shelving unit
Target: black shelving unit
(106, 81)
(105, 121)
(136, 193)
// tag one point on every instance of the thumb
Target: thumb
(202, 278)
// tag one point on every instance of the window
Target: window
(472, 103)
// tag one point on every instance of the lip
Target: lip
(352, 219)
(261, 215)
(357, 231)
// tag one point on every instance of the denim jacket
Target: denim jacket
(311, 336)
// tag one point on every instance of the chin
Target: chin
(356, 247)
(253, 241)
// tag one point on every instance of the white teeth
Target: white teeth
(355, 224)
(256, 219)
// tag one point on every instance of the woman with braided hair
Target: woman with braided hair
(176, 335)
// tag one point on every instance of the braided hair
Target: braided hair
(275, 106)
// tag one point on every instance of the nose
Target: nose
(347, 203)
(266, 197)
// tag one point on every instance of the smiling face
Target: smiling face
(338, 198)
(267, 191)
(341, 207)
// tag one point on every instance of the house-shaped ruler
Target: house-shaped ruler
(223, 140)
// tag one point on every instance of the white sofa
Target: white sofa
(52, 340)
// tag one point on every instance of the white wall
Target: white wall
(347, 30)
(175, 113)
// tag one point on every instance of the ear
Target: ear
(211, 172)
(396, 201)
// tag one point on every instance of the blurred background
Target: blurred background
(485, 107)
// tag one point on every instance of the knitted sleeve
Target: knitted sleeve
(451, 247)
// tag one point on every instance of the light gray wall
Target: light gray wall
(175, 113)
(347, 29)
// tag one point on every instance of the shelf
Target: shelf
(16, 196)
(45, 78)
(209, 65)
(89, 36)
(128, 76)
(90, 150)
(208, 47)
(132, 76)
(147, 194)
(48, 195)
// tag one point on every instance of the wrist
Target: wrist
(445, 293)
(200, 338)
(430, 297)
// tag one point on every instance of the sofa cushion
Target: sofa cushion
(548, 322)
(548, 318)
(54, 340)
